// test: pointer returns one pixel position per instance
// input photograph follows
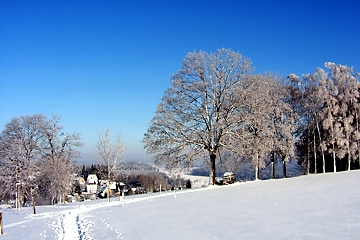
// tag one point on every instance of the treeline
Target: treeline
(132, 165)
(36, 155)
(101, 171)
(152, 181)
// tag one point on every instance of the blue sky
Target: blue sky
(106, 64)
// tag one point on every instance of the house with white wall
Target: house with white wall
(92, 179)
(91, 188)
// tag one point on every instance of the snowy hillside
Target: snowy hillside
(324, 206)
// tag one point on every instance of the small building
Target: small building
(103, 192)
(81, 180)
(79, 184)
(92, 179)
(112, 185)
(91, 188)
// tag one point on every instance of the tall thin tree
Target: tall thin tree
(109, 153)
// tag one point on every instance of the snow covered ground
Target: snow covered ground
(324, 206)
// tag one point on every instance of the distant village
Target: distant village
(136, 178)
(131, 178)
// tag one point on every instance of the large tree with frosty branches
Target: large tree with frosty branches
(198, 112)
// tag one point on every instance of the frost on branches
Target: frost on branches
(36, 154)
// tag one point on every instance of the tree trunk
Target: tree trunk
(257, 168)
(348, 151)
(212, 174)
(357, 130)
(108, 191)
(315, 167)
(273, 164)
(16, 198)
(321, 146)
(284, 168)
(32, 191)
(256, 173)
(308, 154)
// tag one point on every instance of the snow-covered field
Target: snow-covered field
(324, 206)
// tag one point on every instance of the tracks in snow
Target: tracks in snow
(72, 224)
(75, 224)
(74, 221)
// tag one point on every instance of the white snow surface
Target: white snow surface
(323, 206)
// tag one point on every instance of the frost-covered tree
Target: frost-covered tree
(256, 135)
(198, 113)
(58, 161)
(109, 152)
(36, 152)
(331, 124)
(311, 101)
(283, 126)
(332, 127)
(299, 103)
(348, 108)
(315, 97)
(329, 107)
(268, 121)
(19, 149)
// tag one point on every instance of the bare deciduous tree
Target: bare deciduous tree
(19, 148)
(110, 152)
(197, 112)
(33, 149)
(59, 158)
(268, 121)
(255, 135)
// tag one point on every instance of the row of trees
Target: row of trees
(123, 166)
(328, 102)
(35, 154)
(217, 111)
(152, 181)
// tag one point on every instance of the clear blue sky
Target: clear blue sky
(106, 64)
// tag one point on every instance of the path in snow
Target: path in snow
(76, 224)
(72, 221)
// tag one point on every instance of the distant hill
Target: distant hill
(139, 166)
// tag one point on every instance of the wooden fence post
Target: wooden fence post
(1, 225)
(32, 200)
